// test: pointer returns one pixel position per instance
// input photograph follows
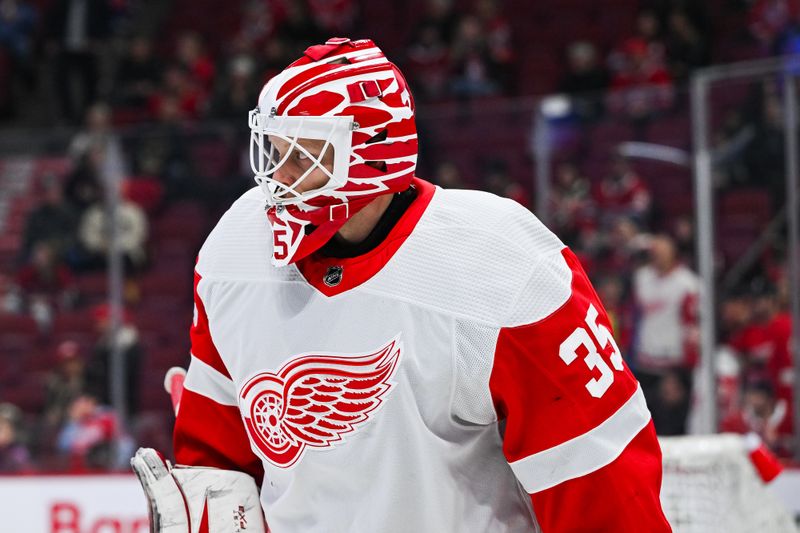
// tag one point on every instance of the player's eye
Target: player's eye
(301, 155)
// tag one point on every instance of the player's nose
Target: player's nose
(284, 175)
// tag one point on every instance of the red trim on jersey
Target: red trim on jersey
(202, 345)
(689, 308)
(545, 402)
(204, 518)
(689, 316)
(529, 372)
(622, 497)
(223, 444)
(357, 270)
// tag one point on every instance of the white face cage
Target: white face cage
(335, 132)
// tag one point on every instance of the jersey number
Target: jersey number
(602, 337)
(279, 243)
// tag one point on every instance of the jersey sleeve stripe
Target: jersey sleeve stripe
(203, 347)
(210, 434)
(207, 381)
(586, 453)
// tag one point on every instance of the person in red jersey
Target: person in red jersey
(380, 354)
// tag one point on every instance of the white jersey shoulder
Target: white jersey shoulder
(471, 255)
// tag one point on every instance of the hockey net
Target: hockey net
(711, 485)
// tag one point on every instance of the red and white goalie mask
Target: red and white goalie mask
(331, 132)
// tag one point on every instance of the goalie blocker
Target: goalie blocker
(197, 499)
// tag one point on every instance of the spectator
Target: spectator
(47, 284)
(670, 408)
(648, 29)
(237, 91)
(764, 343)
(586, 79)
(641, 86)
(623, 192)
(274, 58)
(686, 47)
(180, 95)
(257, 24)
(54, 222)
(427, 63)
(666, 294)
(10, 297)
(299, 29)
(698, 12)
(162, 151)
(736, 131)
(683, 231)
(621, 246)
(196, 62)
(729, 384)
(64, 383)
(474, 70)
(17, 26)
(571, 203)
(768, 19)
(138, 74)
(83, 186)
(14, 455)
(440, 15)
(131, 234)
(98, 369)
(97, 134)
(99, 156)
(765, 155)
(92, 437)
(498, 38)
(766, 415)
(334, 17)
(736, 314)
(77, 30)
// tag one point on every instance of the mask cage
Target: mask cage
(335, 132)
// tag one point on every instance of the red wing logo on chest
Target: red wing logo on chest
(314, 400)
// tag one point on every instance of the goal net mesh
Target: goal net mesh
(710, 485)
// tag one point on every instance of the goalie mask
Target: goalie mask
(331, 132)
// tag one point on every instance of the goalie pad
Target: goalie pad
(184, 499)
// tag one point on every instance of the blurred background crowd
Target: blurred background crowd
(147, 101)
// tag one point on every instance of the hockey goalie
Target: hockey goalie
(371, 353)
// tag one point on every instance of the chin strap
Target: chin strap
(338, 212)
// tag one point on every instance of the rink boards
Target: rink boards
(114, 503)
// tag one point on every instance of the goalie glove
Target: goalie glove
(184, 499)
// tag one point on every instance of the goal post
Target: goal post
(711, 485)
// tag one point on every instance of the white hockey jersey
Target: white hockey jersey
(668, 312)
(460, 377)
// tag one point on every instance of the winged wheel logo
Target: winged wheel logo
(315, 400)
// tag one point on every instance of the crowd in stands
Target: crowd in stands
(134, 99)
(450, 50)
(62, 56)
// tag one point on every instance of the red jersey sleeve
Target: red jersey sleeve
(578, 434)
(209, 429)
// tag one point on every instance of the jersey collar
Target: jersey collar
(335, 275)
